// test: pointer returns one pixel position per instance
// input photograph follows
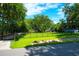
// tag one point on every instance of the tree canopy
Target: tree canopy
(10, 15)
(39, 23)
(72, 15)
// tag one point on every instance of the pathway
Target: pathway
(4, 45)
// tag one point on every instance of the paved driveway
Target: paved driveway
(5, 49)
(13, 52)
(68, 49)
(4, 45)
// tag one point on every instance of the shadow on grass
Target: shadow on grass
(18, 36)
(68, 35)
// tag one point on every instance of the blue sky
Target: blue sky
(53, 10)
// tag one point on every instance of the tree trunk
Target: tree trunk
(1, 35)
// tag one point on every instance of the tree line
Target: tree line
(41, 23)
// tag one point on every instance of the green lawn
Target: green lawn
(27, 39)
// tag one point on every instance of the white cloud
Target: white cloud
(60, 12)
(60, 15)
(33, 9)
(55, 19)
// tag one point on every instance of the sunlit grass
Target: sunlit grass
(28, 38)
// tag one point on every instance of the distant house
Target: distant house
(72, 30)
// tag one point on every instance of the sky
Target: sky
(52, 10)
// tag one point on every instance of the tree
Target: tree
(72, 15)
(41, 23)
(60, 26)
(28, 23)
(10, 15)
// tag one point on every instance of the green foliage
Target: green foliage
(41, 23)
(23, 28)
(60, 26)
(10, 15)
(72, 15)
(28, 23)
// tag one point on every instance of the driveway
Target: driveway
(4, 45)
(13, 52)
(67, 49)
(5, 49)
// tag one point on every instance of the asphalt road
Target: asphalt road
(68, 49)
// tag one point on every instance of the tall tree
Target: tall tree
(41, 23)
(10, 15)
(72, 15)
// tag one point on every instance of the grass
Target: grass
(28, 38)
